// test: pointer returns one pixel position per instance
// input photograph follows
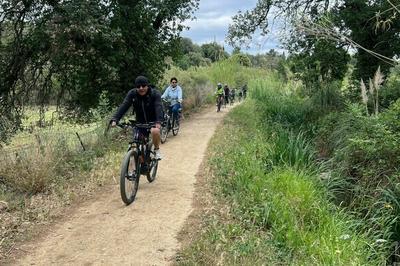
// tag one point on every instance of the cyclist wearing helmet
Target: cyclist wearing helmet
(146, 102)
(219, 93)
(174, 95)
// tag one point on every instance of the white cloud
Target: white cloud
(211, 23)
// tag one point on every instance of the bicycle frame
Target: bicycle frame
(140, 141)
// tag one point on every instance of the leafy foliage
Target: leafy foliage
(71, 51)
(352, 20)
(288, 203)
(214, 51)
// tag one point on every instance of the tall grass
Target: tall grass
(50, 159)
(281, 200)
(281, 103)
(199, 83)
(359, 153)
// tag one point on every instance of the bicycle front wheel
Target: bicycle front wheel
(164, 133)
(153, 165)
(129, 179)
(219, 105)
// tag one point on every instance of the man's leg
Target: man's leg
(155, 135)
(175, 111)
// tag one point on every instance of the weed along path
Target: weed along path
(104, 231)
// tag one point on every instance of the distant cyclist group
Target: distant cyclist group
(155, 115)
(225, 95)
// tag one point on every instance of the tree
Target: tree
(318, 59)
(269, 60)
(236, 50)
(74, 50)
(353, 19)
(214, 51)
(242, 59)
(358, 17)
(186, 46)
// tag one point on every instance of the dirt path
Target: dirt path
(106, 232)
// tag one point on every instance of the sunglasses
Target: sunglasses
(173, 82)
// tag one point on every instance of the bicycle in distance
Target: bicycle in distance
(220, 101)
(139, 160)
(170, 122)
(240, 95)
(232, 97)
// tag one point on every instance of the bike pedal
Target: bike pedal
(130, 177)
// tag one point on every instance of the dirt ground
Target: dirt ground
(106, 232)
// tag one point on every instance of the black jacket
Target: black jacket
(148, 108)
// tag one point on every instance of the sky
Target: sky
(212, 20)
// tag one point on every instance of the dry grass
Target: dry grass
(30, 170)
(38, 183)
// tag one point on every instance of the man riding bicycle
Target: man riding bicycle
(226, 93)
(174, 95)
(244, 90)
(146, 103)
(219, 92)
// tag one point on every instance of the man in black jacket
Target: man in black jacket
(146, 103)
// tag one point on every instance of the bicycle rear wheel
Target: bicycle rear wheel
(129, 178)
(175, 127)
(153, 165)
(219, 105)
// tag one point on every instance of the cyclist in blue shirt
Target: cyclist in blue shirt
(173, 94)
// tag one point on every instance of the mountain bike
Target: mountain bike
(232, 99)
(240, 97)
(169, 123)
(138, 160)
(226, 100)
(220, 99)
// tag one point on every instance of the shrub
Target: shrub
(281, 104)
(391, 89)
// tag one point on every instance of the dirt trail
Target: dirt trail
(106, 232)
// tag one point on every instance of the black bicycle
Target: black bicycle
(139, 160)
(169, 123)
(220, 100)
(231, 99)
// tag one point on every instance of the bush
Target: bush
(285, 199)
(281, 104)
(327, 97)
(390, 92)
(364, 148)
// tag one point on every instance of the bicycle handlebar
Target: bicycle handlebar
(133, 123)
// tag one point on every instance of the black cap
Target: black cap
(141, 81)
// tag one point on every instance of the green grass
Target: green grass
(279, 209)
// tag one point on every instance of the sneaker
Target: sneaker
(158, 155)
